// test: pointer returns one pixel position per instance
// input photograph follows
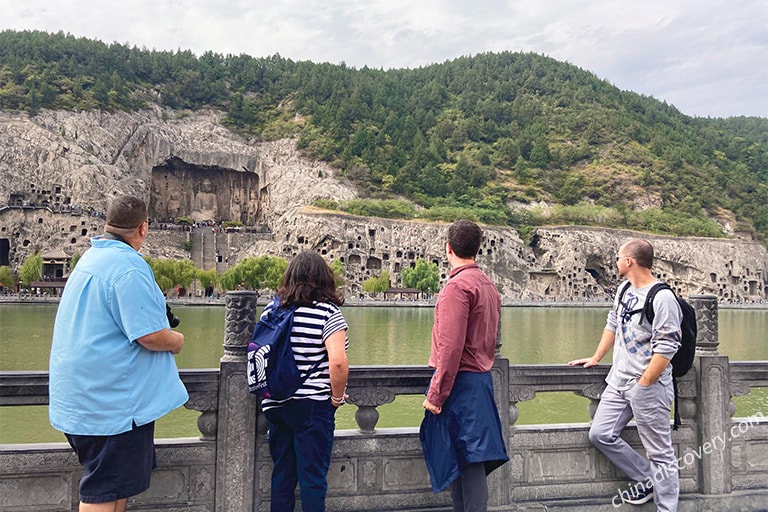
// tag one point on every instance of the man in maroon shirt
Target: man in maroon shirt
(461, 433)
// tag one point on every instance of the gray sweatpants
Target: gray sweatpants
(650, 407)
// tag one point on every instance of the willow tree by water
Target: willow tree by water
(424, 276)
(255, 274)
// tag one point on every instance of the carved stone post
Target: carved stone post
(236, 439)
(505, 402)
(497, 354)
(713, 408)
(500, 481)
(706, 323)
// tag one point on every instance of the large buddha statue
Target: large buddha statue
(206, 204)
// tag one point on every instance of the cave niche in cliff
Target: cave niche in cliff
(5, 252)
(203, 193)
(594, 266)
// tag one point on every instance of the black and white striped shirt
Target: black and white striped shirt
(311, 328)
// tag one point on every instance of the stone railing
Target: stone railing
(723, 461)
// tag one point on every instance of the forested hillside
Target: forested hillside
(485, 136)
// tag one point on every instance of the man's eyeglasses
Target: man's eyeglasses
(619, 256)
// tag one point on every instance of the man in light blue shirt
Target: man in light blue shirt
(112, 367)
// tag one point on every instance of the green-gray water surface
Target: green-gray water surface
(378, 336)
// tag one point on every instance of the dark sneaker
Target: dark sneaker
(638, 494)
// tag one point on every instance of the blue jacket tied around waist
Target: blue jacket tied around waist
(467, 431)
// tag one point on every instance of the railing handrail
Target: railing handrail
(370, 386)
(30, 387)
(24, 388)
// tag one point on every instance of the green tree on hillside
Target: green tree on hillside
(337, 267)
(480, 133)
(73, 261)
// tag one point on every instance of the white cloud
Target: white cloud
(707, 57)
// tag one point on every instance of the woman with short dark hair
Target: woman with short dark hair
(301, 427)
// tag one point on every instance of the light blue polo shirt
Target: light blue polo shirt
(101, 379)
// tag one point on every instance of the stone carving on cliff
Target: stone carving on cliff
(70, 164)
(191, 166)
(568, 263)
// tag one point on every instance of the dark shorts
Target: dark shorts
(115, 467)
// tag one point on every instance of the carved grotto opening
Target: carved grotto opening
(204, 193)
(5, 252)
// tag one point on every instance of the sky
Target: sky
(708, 58)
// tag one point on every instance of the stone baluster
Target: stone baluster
(517, 394)
(686, 398)
(593, 393)
(367, 400)
(208, 420)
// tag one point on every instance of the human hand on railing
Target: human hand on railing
(585, 362)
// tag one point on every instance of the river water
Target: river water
(378, 336)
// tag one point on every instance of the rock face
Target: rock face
(560, 263)
(582, 258)
(58, 171)
(176, 162)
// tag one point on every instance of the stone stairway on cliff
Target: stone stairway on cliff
(197, 247)
(221, 252)
(209, 249)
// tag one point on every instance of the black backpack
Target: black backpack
(682, 361)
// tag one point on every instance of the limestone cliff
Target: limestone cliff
(58, 171)
(182, 164)
(564, 263)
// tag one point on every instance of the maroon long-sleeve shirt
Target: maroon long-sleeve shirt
(464, 333)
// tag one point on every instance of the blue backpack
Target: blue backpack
(272, 371)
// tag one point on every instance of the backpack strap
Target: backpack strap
(648, 311)
(677, 422)
(309, 372)
(621, 302)
(304, 376)
(623, 291)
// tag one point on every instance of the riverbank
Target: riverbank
(563, 303)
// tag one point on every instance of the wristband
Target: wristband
(338, 401)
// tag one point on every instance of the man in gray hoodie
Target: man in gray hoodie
(639, 382)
